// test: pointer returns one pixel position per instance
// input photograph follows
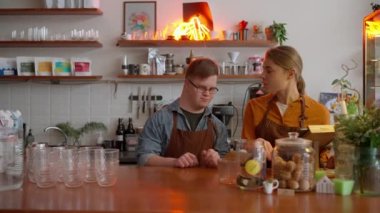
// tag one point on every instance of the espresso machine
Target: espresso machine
(224, 112)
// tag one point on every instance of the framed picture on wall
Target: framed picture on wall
(139, 17)
(328, 99)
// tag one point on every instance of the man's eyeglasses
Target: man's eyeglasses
(200, 89)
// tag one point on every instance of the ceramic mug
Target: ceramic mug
(144, 69)
(270, 185)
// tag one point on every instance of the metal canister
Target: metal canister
(169, 62)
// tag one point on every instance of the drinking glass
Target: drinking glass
(89, 163)
(44, 166)
(106, 164)
(73, 172)
(228, 170)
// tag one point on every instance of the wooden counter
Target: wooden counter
(173, 190)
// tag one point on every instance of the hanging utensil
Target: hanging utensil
(149, 101)
(138, 102)
(143, 102)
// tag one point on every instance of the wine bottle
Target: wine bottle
(130, 129)
(120, 135)
(129, 135)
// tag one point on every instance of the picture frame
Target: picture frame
(328, 99)
(139, 17)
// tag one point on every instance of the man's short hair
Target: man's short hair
(202, 68)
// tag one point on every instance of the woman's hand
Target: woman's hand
(267, 146)
(250, 144)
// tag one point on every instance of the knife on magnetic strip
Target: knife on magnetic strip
(138, 102)
(149, 101)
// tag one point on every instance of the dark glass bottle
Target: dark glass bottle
(30, 138)
(129, 131)
(119, 141)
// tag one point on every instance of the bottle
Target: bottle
(29, 138)
(120, 134)
(130, 130)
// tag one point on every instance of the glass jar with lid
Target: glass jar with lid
(293, 163)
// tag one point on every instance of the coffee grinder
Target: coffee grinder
(224, 112)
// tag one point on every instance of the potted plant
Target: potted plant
(362, 132)
(276, 32)
(75, 134)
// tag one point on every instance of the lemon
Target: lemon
(252, 167)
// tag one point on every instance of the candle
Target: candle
(319, 174)
(125, 60)
(343, 187)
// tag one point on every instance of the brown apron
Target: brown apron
(195, 142)
(271, 131)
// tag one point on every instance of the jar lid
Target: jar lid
(293, 140)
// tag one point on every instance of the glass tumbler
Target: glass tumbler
(106, 165)
(89, 163)
(44, 166)
(73, 167)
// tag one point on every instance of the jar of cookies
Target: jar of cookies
(293, 163)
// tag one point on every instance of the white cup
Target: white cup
(227, 34)
(270, 185)
(144, 69)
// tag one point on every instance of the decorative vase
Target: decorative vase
(269, 34)
(367, 171)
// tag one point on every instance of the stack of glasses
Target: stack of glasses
(71, 165)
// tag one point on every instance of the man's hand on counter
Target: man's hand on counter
(186, 160)
(210, 158)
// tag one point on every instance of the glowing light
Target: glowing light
(193, 29)
(372, 29)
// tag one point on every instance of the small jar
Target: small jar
(293, 163)
(179, 68)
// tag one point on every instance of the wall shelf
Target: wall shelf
(53, 11)
(213, 43)
(52, 79)
(171, 78)
(64, 43)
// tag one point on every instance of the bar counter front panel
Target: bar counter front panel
(156, 189)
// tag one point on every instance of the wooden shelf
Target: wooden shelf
(213, 43)
(53, 11)
(65, 43)
(53, 79)
(160, 78)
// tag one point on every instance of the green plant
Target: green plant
(279, 32)
(70, 131)
(362, 130)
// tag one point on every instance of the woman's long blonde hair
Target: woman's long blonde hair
(288, 58)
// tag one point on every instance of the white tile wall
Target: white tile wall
(44, 105)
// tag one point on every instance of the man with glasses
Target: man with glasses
(185, 133)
